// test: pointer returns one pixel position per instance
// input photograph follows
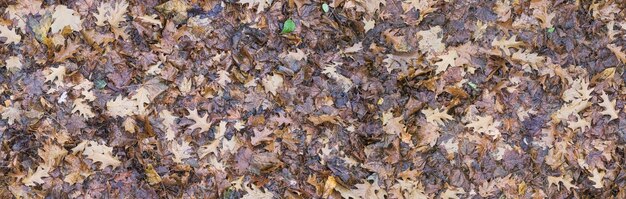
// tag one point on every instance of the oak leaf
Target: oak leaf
(98, 153)
(11, 36)
(82, 108)
(365, 190)
(618, 52)
(254, 192)
(13, 64)
(35, 177)
(271, 83)
(431, 40)
(446, 60)
(113, 13)
(565, 179)
(597, 178)
(436, 116)
(63, 17)
(121, 107)
(609, 107)
(505, 44)
(202, 123)
(485, 125)
(180, 151)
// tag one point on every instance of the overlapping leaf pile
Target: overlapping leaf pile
(363, 99)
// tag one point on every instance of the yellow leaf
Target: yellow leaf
(152, 176)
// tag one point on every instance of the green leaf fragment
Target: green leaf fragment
(288, 26)
(325, 7)
(100, 84)
(551, 30)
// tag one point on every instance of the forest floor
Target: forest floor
(312, 99)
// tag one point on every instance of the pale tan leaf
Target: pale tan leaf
(98, 153)
(485, 125)
(436, 116)
(202, 123)
(180, 151)
(82, 108)
(121, 107)
(254, 192)
(272, 83)
(618, 52)
(11, 36)
(431, 40)
(505, 44)
(609, 107)
(13, 64)
(63, 17)
(35, 177)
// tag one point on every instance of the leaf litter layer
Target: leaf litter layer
(312, 99)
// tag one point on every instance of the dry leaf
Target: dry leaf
(202, 123)
(180, 151)
(272, 83)
(11, 36)
(98, 153)
(63, 17)
(609, 107)
(436, 116)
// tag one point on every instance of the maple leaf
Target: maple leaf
(261, 4)
(365, 190)
(446, 60)
(430, 40)
(505, 44)
(331, 71)
(36, 176)
(503, 9)
(485, 125)
(180, 151)
(609, 106)
(254, 192)
(82, 108)
(11, 36)
(114, 13)
(202, 123)
(271, 83)
(98, 153)
(63, 17)
(436, 116)
(618, 52)
(222, 77)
